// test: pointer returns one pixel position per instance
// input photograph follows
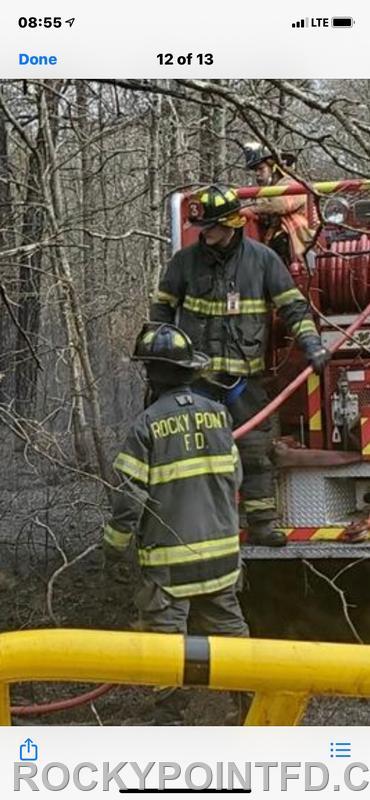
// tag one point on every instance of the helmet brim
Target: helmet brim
(199, 361)
(256, 164)
(211, 223)
(208, 224)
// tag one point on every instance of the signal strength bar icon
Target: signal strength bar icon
(301, 23)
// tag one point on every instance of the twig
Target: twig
(66, 564)
(96, 715)
(342, 597)
(19, 327)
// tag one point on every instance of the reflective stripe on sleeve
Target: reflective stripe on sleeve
(236, 366)
(117, 539)
(132, 466)
(303, 327)
(287, 297)
(235, 454)
(167, 298)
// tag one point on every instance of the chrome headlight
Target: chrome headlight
(335, 210)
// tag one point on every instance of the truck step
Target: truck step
(308, 550)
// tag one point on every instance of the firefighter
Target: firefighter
(179, 470)
(220, 290)
(282, 220)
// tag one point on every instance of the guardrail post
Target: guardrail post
(278, 708)
(5, 718)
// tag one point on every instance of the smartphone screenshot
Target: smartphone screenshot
(184, 398)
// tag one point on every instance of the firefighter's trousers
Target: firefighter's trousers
(255, 448)
(258, 502)
(217, 614)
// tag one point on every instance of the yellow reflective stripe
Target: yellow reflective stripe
(204, 587)
(313, 383)
(315, 422)
(132, 466)
(117, 539)
(365, 449)
(213, 308)
(235, 454)
(272, 191)
(219, 307)
(323, 187)
(304, 326)
(194, 551)
(236, 366)
(253, 306)
(327, 533)
(287, 297)
(230, 194)
(326, 187)
(191, 467)
(259, 505)
(165, 297)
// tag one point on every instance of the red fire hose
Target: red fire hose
(294, 385)
(61, 705)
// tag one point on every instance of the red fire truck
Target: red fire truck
(322, 424)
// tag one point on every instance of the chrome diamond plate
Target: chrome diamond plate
(307, 498)
(307, 550)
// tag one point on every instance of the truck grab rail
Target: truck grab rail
(293, 188)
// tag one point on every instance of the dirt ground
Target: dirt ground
(280, 601)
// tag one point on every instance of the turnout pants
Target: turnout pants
(217, 614)
(258, 487)
(257, 491)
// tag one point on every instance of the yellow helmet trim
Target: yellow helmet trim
(179, 340)
(148, 337)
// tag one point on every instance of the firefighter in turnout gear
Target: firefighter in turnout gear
(282, 220)
(179, 473)
(220, 290)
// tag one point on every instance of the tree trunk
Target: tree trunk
(155, 196)
(206, 155)
(33, 225)
(83, 379)
(87, 257)
(219, 146)
(7, 329)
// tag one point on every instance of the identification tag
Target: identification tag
(233, 303)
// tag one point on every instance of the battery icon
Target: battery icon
(342, 22)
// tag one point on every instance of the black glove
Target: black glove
(318, 358)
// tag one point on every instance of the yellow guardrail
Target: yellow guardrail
(282, 674)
